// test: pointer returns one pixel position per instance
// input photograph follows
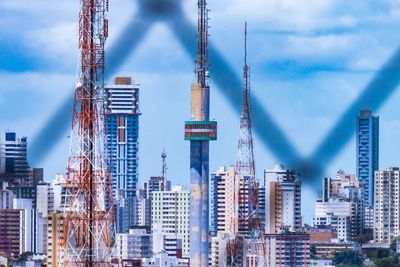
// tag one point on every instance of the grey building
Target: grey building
(14, 167)
(136, 244)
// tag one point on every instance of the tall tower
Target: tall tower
(367, 136)
(246, 222)
(122, 116)
(89, 215)
(200, 130)
(245, 167)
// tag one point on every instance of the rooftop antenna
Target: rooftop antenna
(164, 163)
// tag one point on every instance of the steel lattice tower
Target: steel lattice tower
(246, 223)
(200, 130)
(245, 166)
(89, 215)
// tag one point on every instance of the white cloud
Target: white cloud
(55, 42)
(40, 6)
(49, 83)
(318, 46)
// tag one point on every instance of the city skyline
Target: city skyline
(306, 95)
(304, 193)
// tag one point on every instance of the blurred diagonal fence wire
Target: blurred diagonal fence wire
(229, 83)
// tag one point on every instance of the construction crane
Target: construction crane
(89, 214)
(246, 222)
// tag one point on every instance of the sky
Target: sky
(310, 59)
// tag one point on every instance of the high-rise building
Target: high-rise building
(58, 187)
(156, 183)
(33, 227)
(14, 166)
(6, 196)
(11, 231)
(218, 252)
(261, 206)
(170, 221)
(122, 115)
(224, 206)
(341, 206)
(136, 244)
(287, 250)
(133, 211)
(387, 205)
(55, 233)
(44, 199)
(283, 200)
(35, 176)
(367, 136)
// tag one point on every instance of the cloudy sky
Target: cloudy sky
(310, 60)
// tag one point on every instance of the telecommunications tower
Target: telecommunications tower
(245, 167)
(246, 224)
(200, 130)
(89, 214)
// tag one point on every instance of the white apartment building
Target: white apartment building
(136, 244)
(224, 206)
(58, 187)
(33, 228)
(337, 214)
(283, 200)
(218, 257)
(387, 205)
(341, 206)
(44, 199)
(170, 221)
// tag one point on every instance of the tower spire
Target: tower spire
(245, 44)
(202, 52)
(245, 166)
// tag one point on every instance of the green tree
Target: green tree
(366, 236)
(386, 262)
(348, 258)
(393, 244)
(313, 252)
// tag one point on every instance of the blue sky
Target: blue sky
(310, 59)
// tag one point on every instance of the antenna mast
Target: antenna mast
(89, 214)
(164, 163)
(245, 166)
(246, 225)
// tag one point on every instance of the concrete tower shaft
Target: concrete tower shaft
(200, 130)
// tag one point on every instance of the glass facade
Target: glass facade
(367, 152)
(122, 116)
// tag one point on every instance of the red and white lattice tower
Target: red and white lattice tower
(245, 167)
(246, 222)
(89, 214)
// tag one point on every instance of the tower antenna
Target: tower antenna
(89, 215)
(199, 131)
(164, 163)
(246, 223)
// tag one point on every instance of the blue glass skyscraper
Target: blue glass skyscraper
(122, 116)
(367, 152)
